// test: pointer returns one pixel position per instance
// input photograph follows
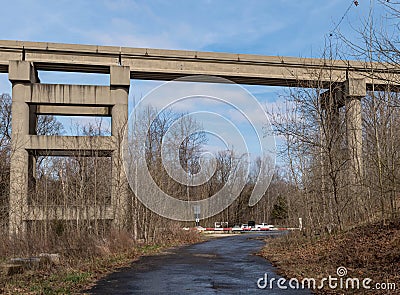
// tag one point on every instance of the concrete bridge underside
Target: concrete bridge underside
(30, 98)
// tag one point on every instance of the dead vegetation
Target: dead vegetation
(84, 259)
(368, 251)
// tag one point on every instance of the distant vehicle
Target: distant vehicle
(251, 223)
(237, 228)
(264, 226)
(221, 224)
(245, 227)
(252, 227)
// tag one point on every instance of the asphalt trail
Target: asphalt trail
(219, 266)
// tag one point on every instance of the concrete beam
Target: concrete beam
(71, 153)
(22, 71)
(63, 110)
(120, 76)
(160, 64)
(70, 143)
(89, 95)
(9, 51)
(41, 213)
(355, 87)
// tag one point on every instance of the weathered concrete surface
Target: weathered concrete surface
(30, 99)
(69, 94)
(67, 110)
(70, 143)
(159, 64)
(354, 91)
(119, 87)
(349, 95)
(21, 74)
(220, 266)
(20, 264)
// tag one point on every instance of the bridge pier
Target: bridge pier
(119, 86)
(30, 99)
(21, 75)
(354, 90)
(347, 94)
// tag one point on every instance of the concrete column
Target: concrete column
(119, 86)
(331, 135)
(354, 89)
(331, 101)
(21, 75)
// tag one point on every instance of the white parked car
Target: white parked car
(245, 227)
(264, 226)
(237, 228)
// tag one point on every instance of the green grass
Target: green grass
(71, 280)
(77, 277)
(60, 283)
(150, 248)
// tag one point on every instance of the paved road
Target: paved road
(219, 266)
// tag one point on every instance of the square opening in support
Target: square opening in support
(65, 187)
(5, 84)
(72, 110)
(92, 125)
(74, 78)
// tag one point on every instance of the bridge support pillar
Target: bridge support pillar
(30, 99)
(354, 91)
(348, 95)
(119, 85)
(21, 74)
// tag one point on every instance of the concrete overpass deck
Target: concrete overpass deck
(160, 64)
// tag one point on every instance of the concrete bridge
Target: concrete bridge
(21, 60)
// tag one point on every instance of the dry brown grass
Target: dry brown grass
(84, 259)
(370, 251)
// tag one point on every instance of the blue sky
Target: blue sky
(279, 27)
(268, 27)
